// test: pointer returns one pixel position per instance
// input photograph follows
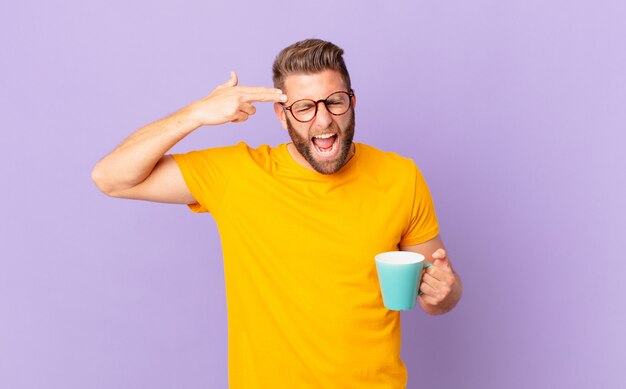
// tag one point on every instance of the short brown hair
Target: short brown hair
(306, 57)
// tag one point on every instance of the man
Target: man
(300, 225)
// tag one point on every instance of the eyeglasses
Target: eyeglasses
(305, 110)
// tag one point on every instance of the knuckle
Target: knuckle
(233, 109)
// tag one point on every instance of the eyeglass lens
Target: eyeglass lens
(337, 103)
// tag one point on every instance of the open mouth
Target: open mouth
(325, 144)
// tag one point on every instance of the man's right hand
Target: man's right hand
(231, 103)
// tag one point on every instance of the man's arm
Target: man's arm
(139, 168)
(441, 285)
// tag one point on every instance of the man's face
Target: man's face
(324, 142)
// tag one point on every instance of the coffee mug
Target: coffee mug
(399, 274)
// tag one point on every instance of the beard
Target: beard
(305, 146)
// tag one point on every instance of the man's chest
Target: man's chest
(348, 222)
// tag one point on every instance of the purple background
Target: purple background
(515, 112)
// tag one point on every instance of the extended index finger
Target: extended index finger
(274, 97)
(259, 89)
(259, 93)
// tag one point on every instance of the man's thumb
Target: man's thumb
(233, 80)
(440, 258)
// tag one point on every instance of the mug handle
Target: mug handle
(427, 264)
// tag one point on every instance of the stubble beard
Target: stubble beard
(304, 146)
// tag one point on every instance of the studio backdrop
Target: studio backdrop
(515, 112)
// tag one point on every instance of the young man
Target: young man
(300, 225)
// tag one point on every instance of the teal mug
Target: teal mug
(399, 275)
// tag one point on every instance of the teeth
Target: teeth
(323, 136)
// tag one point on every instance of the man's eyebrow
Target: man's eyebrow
(322, 98)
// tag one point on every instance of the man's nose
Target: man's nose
(323, 117)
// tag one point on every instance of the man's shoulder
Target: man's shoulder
(241, 149)
(221, 158)
(384, 160)
(234, 158)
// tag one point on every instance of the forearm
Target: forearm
(134, 159)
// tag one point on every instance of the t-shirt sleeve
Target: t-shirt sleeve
(206, 174)
(423, 225)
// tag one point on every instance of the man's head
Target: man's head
(307, 57)
(314, 70)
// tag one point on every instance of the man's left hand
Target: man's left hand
(440, 285)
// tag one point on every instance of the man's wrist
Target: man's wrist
(186, 120)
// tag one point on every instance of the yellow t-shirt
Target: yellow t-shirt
(304, 305)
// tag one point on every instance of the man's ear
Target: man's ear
(280, 114)
(353, 101)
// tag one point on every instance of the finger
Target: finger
(268, 97)
(433, 271)
(441, 259)
(429, 299)
(430, 280)
(439, 274)
(231, 82)
(248, 108)
(259, 89)
(234, 80)
(426, 288)
(442, 264)
(240, 117)
(441, 283)
(439, 254)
